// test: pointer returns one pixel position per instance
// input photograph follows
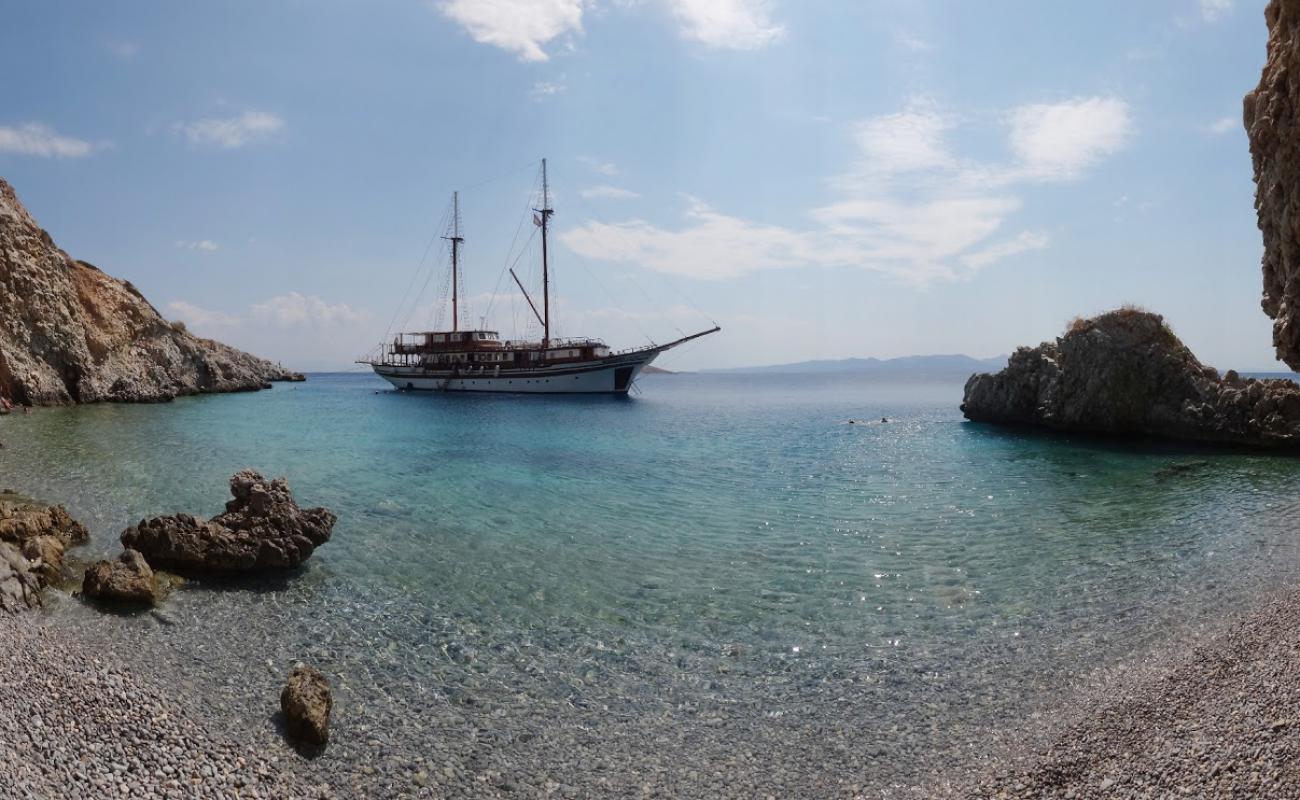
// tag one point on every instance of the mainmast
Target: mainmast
(455, 239)
(546, 212)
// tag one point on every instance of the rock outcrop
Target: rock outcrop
(71, 334)
(1125, 373)
(33, 538)
(1272, 117)
(41, 533)
(261, 529)
(127, 579)
(306, 703)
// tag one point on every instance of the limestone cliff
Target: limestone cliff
(1125, 373)
(71, 334)
(1272, 117)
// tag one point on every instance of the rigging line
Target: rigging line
(506, 265)
(662, 275)
(649, 300)
(414, 276)
(416, 302)
(432, 267)
(631, 316)
(509, 267)
(510, 174)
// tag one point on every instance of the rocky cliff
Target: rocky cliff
(1272, 117)
(1125, 373)
(71, 334)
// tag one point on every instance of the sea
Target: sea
(716, 586)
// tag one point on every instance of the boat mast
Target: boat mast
(546, 212)
(455, 239)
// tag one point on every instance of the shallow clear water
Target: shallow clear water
(719, 562)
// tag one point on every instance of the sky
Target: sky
(822, 178)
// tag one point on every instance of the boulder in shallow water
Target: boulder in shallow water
(22, 520)
(127, 579)
(261, 529)
(1125, 373)
(306, 703)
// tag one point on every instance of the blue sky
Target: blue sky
(824, 179)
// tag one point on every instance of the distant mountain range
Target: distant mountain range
(941, 366)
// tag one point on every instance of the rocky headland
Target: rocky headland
(69, 333)
(1125, 373)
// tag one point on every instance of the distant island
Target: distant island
(934, 366)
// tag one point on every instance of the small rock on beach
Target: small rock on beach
(306, 702)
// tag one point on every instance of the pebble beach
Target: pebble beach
(76, 724)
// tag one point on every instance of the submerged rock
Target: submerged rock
(261, 529)
(69, 333)
(306, 703)
(1272, 116)
(1125, 373)
(127, 579)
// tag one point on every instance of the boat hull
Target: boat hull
(614, 375)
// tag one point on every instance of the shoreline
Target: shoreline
(1217, 715)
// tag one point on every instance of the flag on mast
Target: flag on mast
(537, 220)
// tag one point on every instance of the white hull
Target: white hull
(614, 375)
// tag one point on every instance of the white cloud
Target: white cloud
(207, 245)
(521, 27)
(1215, 10)
(908, 207)
(730, 24)
(1058, 141)
(292, 310)
(295, 310)
(193, 315)
(544, 89)
(1023, 243)
(609, 193)
(713, 246)
(40, 140)
(603, 167)
(1224, 125)
(231, 132)
(908, 141)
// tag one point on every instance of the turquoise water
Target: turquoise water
(717, 562)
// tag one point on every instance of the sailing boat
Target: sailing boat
(479, 361)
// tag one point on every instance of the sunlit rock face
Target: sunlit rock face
(1125, 373)
(71, 334)
(1270, 113)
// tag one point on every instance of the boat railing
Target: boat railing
(553, 344)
